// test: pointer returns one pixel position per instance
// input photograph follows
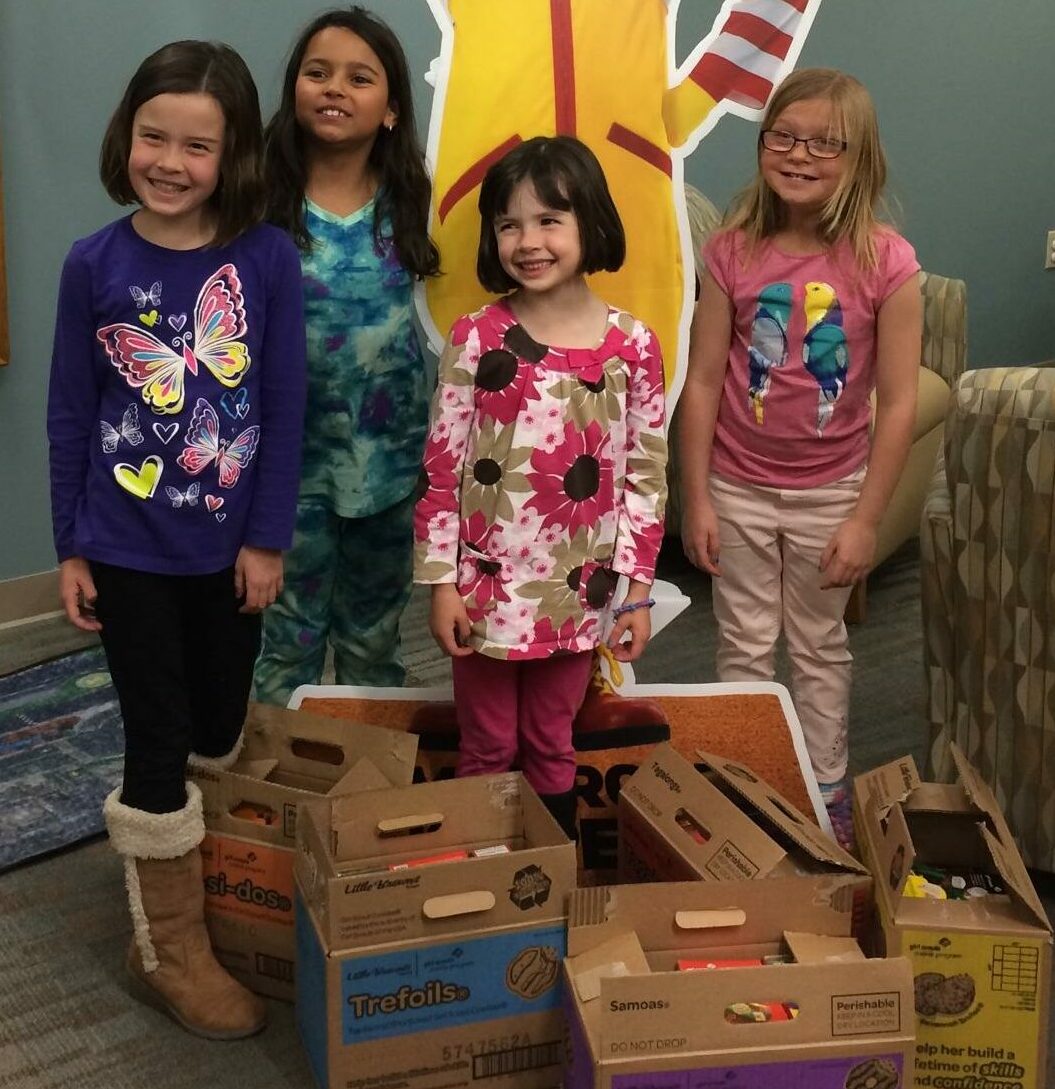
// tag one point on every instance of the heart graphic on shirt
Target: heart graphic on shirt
(150, 319)
(220, 517)
(214, 502)
(177, 321)
(235, 403)
(140, 482)
(166, 432)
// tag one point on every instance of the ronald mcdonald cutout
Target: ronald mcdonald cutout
(601, 70)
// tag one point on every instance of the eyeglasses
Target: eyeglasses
(820, 147)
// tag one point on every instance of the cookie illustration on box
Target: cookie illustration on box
(533, 971)
(873, 1074)
(957, 994)
(946, 995)
(925, 993)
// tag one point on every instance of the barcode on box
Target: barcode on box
(274, 968)
(517, 1059)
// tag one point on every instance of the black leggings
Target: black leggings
(181, 657)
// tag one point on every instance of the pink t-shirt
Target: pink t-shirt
(795, 411)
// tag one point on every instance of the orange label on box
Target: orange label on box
(249, 880)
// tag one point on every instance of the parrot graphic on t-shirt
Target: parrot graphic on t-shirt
(824, 350)
(769, 343)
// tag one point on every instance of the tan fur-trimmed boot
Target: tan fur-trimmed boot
(170, 958)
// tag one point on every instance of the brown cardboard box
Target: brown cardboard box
(716, 821)
(748, 721)
(250, 811)
(830, 1020)
(439, 975)
(981, 967)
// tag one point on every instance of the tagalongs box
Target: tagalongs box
(716, 821)
(436, 975)
(826, 1018)
(250, 809)
(981, 966)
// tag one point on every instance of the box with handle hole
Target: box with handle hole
(250, 808)
(430, 932)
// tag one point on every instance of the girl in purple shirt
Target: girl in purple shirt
(174, 420)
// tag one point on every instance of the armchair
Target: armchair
(987, 573)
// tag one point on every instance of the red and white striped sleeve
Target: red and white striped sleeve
(744, 61)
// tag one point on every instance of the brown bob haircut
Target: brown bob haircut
(193, 67)
(567, 176)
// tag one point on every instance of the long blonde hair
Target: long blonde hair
(852, 210)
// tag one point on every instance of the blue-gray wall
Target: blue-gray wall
(962, 88)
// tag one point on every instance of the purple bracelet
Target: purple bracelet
(633, 606)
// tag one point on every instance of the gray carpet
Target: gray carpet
(66, 1019)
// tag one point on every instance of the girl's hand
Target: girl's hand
(699, 537)
(257, 577)
(849, 555)
(448, 620)
(77, 591)
(639, 624)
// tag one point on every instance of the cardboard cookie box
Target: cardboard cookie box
(976, 935)
(288, 757)
(790, 1002)
(430, 933)
(715, 820)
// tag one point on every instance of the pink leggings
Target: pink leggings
(520, 712)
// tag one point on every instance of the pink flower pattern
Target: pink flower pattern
(580, 436)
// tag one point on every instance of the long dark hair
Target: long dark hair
(396, 158)
(193, 67)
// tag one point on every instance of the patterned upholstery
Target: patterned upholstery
(944, 325)
(703, 219)
(987, 544)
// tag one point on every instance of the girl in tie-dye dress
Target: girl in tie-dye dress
(348, 181)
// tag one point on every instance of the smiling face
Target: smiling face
(175, 156)
(803, 182)
(538, 246)
(341, 97)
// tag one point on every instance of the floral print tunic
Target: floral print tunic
(546, 480)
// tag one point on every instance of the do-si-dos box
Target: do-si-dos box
(975, 932)
(716, 820)
(739, 985)
(430, 933)
(287, 757)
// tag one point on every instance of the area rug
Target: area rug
(61, 751)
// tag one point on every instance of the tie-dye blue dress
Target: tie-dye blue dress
(348, 574)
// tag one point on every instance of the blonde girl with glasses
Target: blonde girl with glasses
(809, 303)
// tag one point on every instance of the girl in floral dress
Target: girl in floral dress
(545, 471)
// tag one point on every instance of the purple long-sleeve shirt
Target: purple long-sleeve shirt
(176, 401)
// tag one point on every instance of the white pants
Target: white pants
(771, 540)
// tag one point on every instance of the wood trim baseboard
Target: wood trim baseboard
(29, 596)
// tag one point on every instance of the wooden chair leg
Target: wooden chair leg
(856, 606)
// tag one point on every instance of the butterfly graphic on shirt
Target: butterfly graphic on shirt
(189, 498)
(127, 429)
(141, 297)
(150, 365)
(204, 446)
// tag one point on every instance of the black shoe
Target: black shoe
(564, 808)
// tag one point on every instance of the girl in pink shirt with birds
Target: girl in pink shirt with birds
(808, 304)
